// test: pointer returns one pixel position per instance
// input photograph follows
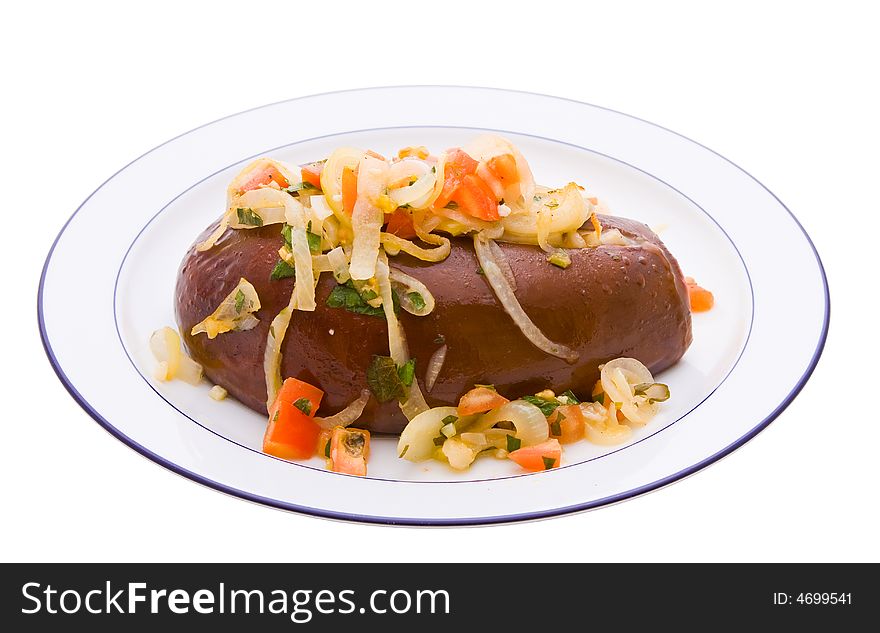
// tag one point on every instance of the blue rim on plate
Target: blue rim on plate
(440, 521)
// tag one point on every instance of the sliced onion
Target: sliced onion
(339, 264)
(349, 415)
(531, 425)
(458, 217)
(215, 235)
(459, 455)
(601, 424)
(509, 302)
(434, 367)
(437, 254)
(415, 401)
(503, 264)
(165, 345)
(405, 284)
(302, 256)
(331, 177)
(613, 237)
(555, 211)
(420, 189)
(487, 146)
(367, 217)
(233, 313)
(619, 378)
(485, 174)
(416, 442)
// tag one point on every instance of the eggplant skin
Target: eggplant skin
(611, 301)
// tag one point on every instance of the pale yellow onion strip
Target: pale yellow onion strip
(274, 341)
(437, 254)
(410, 284)
(415, 402)
(367, 217)
(511, 305)
(435, 365)
(216, 235)
(503, 264)
(302, 256)
(348, 416)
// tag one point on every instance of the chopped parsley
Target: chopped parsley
(546, 405)
(480, 270)
(387, 381)
(440, 340)
(346, 296)
(403, 452)
(549, 462)
(572, 399)
(301, 188)
(555, 426)
(560, 258)
(449, 419)
(249, 217)
(327, 449)
(314, 240)
(239, 301)
(407, 372)
(417, 300)
(285, 233)
(438, 441)
(552, 204)
(304, 405)
(513, 443)
(282, 270)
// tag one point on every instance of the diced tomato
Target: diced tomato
(504, 166)
(458, 165)
(349, 451)
(543, 456)
(292, 433)
(700, 298)
(349, 189)
(476, 198)
(567, 424)
(311, 173)
(480, 400)
(400, 224)
(264, 177)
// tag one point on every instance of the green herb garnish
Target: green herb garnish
(552, 204)
(452, 205)
(249, 217)
(368, 295)
(303, 405)
(417, 300)
(555, 426)
(513, 443)
(314, 240)
(438, 441)
(546, 405)
(480, 271)
(285, 233)
(440, 340)
(383, 379)
(407, 372)
(560, 258)
(403, 452)
(239, 301)
(304, 187)
(449, 419)
(492, 387)
(572, 399)
(282, 270)
(346, 296)
(327, 449)
(548, 462)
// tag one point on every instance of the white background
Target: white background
(786, 90)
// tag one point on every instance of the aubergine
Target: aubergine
(611, 301)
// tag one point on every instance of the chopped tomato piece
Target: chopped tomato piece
(543, 456)
(311, 173)
(700, 298)
(349, 450)
(476, 198)
(504, 167)
(264, 177)
(458, 165)
(349, 189)
(480, 400)
(567, 424)
(292, 433)
(400, 224)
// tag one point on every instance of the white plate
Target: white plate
(109, 278)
